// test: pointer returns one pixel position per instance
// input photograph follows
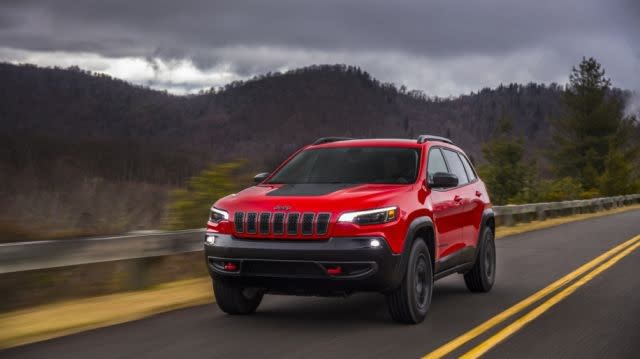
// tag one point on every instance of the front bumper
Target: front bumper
(336, 266)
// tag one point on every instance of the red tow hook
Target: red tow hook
(230, 267)
(337, 270)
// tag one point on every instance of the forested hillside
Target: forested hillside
(269, 114)
(101, 153)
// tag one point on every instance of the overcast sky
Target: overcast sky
(445, 47)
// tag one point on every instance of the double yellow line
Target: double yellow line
(601, 263)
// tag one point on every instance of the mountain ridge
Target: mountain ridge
(290, 109)
(99, 155)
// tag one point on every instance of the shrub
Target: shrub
(189, 207)
(563, 189)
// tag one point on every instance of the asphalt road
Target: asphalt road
(601, 319)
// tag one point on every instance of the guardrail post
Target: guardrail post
(508, 220)
(140, 272)
(541, 214)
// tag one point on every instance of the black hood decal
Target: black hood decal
(309, 189)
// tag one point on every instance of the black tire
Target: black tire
(482, 276)
(410, 302)
(236, 300)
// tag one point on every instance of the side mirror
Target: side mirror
(260, 177)
(443, 180)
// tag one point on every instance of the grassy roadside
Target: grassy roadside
(68, 317)
(59, 319)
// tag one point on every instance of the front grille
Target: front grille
(264, 222)
(278, 223)
(323, 223)
(238, 220)
(251, 222)
(281, 224)
(292, 223)
(307, 224)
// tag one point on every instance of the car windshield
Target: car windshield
(393, 165)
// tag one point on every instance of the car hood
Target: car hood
(332, 198)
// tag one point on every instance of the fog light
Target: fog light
(375, 243)
(210, 239)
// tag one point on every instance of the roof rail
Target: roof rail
(322, 140)
(426, 138)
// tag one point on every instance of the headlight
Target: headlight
(372, 216)
(217, 215)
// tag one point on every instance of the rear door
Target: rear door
(475, 204)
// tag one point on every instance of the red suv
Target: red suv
(344, 215)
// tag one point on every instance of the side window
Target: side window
(435, 163)
(467, 166)
(456, 167)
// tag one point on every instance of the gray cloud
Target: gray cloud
(395, 40)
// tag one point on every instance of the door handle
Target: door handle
(478, 193)
(457, 199)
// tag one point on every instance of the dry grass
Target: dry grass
(54, 320)
(552, 222)
(64, 318)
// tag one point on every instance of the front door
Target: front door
(447, 207)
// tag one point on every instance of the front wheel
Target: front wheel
(409, 302)
(482, 276)
(236, 300)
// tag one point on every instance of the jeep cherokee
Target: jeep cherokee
(344, 215)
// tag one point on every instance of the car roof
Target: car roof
(385, 142)
(370, 142)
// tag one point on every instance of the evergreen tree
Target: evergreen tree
(505, 173)
(619, 177)
(589, 134)
(616, 178)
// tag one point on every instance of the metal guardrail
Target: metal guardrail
(511, 214)
(24, 256)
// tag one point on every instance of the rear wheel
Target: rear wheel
(482, 276)
(236, 300)
(409, 302)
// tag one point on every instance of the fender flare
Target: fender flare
(416, 225)
(487, 215)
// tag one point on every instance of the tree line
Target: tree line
(594, 149)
